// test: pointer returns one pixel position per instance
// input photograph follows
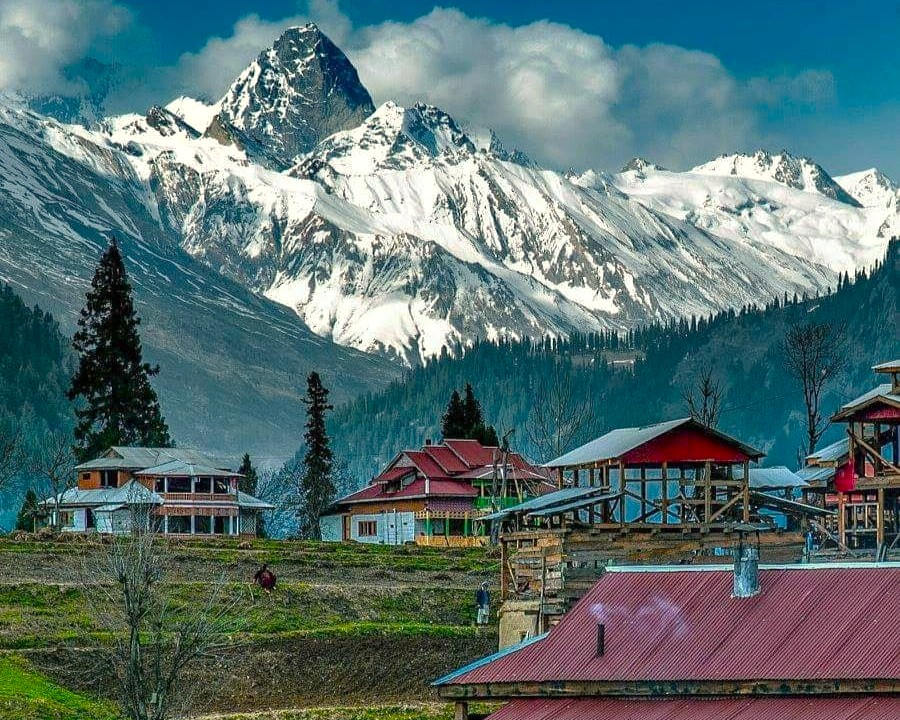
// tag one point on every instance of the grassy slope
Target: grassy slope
(296, 647)
(27, 695)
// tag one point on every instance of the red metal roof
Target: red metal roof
(692, 708)
(437, 488)
(446, 458)
(808, 622)
(426, 464)
(394, 473)
(472, 452)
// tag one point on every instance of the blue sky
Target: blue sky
(571, 83)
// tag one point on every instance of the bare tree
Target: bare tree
(11, 452)
(814, 354)
(704, 397)
(53, 464)
(560, 417)
(157, 640)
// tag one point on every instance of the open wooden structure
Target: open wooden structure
(670, 492)
(868, 485)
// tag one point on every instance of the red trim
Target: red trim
(685, 444)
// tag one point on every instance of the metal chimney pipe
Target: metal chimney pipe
(746, 572)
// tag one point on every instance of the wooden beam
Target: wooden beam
(595, 688)
(665, 493)
(879, 534)
(707, 498)
(746, 491)
(877, 455)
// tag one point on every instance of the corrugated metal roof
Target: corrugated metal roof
(130, 458)
(472, 452)
(575, 504)
(773, 502)
(620, 441)
(813, 475)
(180, 468)
(772, 478)
(831, 453)
(882, 392)
(890, 366)
(808, 622)
(446, 458)
(130, 492)
(426, 464)
(694, 708)
(551, 499)
(245, 500)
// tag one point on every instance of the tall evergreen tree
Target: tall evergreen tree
(453, 424)
(472, 416)
(28, 511)
(120, 405)
(317, 484)
(250, 479)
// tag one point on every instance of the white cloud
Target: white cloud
(40, 38)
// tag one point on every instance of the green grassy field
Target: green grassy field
(28, 695)
(341, 616)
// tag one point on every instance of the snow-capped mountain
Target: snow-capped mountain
(783, 202)
(391, 230)
(794, 172)
(870, 188)
(233, 362)
(293, 95)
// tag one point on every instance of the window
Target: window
(202, 524)
(367, 528)
(86, 476)
(109, 478)
(221, 485)
(203, 485)
(179, 485)
(220, 525)
(159, 485)
(179, 524)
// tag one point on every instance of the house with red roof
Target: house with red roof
(776, 642)
(435, 495)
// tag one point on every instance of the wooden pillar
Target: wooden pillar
(559, 478)
(665, 493)
(591, 474)
(461, 710)
(504, 572)
(622, 497)
(842, 518)
(746, 491)
(880, 519)
(707, 501)
(643, 493)
(576, 477)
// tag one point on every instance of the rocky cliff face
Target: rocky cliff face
(296, 93)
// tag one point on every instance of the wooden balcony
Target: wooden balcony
(200, 497)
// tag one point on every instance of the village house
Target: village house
(435, 495)
(183, 492)
(776, 642)
(676, 490)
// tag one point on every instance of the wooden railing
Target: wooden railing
(201, 497)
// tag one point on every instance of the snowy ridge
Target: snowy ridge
(394, 230)
(794, 172)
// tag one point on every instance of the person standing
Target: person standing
(483, 604)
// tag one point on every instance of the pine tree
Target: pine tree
(247, 483)
(120, 405)
(27, 513)
(453, 424)
(472, 416)
(317, 484)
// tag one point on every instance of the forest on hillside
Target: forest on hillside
(35, 366)
(742, 349)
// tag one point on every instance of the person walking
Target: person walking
(483, 604)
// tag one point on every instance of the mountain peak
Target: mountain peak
(793, 171)
(641, 166)
(294, 94)
(871, 188)
(392, 137)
